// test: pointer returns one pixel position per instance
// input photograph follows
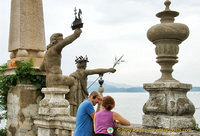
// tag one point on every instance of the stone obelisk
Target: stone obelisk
(27, 38)
(168, 105)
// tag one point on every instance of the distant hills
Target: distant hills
(110, 87)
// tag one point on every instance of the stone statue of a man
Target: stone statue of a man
(78, 92)
(52, 60)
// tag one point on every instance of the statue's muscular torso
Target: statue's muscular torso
(52, 61)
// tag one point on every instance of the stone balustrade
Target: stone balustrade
(54, 114)
(139, 130)
(55, 126)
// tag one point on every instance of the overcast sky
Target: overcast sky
(113, 28)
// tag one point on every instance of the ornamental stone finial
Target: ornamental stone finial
(167, 16)
(167, 36)
(167, 4)
(168, 105)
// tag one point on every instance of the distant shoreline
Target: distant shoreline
(140, 92)
(112, 89)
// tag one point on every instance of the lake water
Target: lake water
(130, 105)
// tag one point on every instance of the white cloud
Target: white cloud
(113, 28)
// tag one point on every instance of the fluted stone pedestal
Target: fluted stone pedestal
(54, 114)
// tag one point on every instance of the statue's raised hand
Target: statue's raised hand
(78, 32)
(112, 70)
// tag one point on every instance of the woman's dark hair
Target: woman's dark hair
(108, 103)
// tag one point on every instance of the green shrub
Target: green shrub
(25, 73)
(3, 132)
(196, 126)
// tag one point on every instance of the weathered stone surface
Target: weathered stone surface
(55, 126)
(26, 38)
(168, 31)
(63, 132)
(168, 106)
(60, 122)
(168, 98)
(22, 107)
(164, 121)
(46, 132)
(54, 102)
(26, 28)
(54, 114)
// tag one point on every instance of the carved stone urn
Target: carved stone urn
(167, 36)
(168, 105)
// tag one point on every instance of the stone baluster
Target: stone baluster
(54, 114)
(168, 105)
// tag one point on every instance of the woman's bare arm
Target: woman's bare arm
(118, 117)
(94, 124)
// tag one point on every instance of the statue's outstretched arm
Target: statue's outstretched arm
(99, 71)
(68, 40)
